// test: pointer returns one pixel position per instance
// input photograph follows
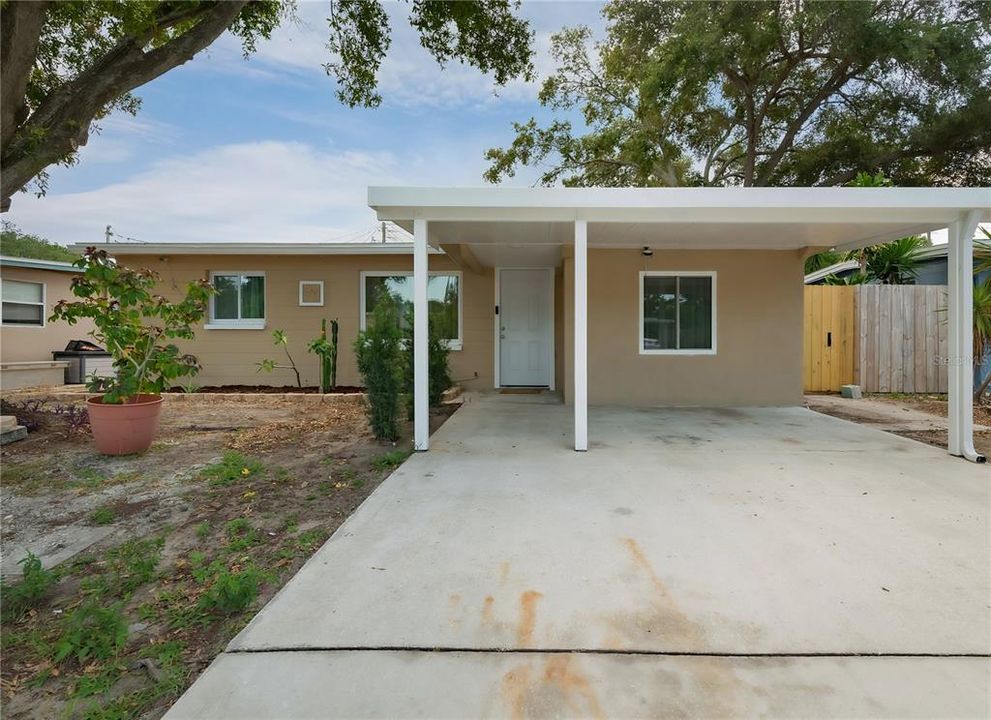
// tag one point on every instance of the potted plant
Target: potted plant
(133, 324)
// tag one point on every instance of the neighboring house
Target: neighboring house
(30, 289)
(932, 268)
(620, 296)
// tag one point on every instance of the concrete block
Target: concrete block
(19, 432)
(7, 422)
(851, 392)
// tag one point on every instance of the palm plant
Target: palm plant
(823, 260)
(893, 263)
(982, 329)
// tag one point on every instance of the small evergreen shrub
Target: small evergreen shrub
(438, 368)
(378, 350)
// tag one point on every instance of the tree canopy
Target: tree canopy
(766, 93)
(14, 243)
(68, 64)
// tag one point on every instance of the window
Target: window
(23, 303)
(239, 300)
(443, 300)
(678, 313)
(310, 293)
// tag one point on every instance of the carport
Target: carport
(534, 222)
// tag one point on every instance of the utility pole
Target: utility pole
(108, 234)
(383, 231)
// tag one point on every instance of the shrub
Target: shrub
(132, 323)
(378, 350)
(438, 369)
(30, 591)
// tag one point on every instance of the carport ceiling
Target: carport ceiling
(703, 218)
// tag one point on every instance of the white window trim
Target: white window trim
(310, 282)
(455, 344)
(677, 273)
(250, 324)
(43, 304)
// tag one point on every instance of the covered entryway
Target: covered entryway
(525, 327)
(699, 563)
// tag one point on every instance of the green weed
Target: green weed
(240, 535)
(203, 530)
(390, 460)
(103, 515)
(128, 566)
(30, 591)
(92, 632)
(231, 592)
(310, 540)
(233, 468)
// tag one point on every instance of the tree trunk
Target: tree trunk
(62, 120)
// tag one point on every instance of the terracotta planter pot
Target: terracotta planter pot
(126, 428)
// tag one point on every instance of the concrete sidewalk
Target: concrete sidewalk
(694, 562)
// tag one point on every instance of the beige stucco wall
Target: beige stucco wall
(758, 326)
(25, 344)
(230, 357)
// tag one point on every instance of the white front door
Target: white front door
(526, 329)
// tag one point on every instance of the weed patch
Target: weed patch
(233, 468)
(30, 591)
(231, 592)
(92, 632)
(103, 515)
(241, 535)
(390, 460)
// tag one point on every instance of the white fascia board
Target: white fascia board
(391, 248)
(926, 206)
(36, 264)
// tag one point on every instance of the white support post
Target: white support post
(581, 335)
(421, 397)
(960, 276)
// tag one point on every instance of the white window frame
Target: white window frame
(239, 324)
(677, 351)
(43, 304)
(318, 283)
(456, 344)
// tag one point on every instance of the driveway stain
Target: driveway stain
(528, 617)
(487, 610)
(561, 689)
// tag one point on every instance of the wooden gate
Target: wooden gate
(830, 336)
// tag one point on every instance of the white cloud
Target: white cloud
(266, 191)
(121, 136)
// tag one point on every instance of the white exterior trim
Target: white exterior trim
(302, 303)
(239, 324)
(251, 248)
(457, 343)
(581, 335)
(43, 303)
(677, 273)
(421, 358)
(497, 320)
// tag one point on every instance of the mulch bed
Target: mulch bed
(257, 389)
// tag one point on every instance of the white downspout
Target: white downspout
(421, 396)
(960, 274)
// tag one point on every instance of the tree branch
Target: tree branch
(20, 34)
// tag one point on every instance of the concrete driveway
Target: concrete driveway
(705, 563)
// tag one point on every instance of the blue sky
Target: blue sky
(236, 150)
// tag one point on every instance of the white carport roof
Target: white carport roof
(801, 219)
(743, 218)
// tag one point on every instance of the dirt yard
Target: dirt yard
(920, 417)
(143, 568)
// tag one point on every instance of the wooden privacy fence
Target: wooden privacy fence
(885, 338)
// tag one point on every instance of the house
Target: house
(636, 297)
(30, 289)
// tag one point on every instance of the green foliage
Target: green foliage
(231, 592)
(438, 369)
(822, 260)
(203, 530)
(390, 460)
(14, 243)
(103, 515)
(83, 60)
(765, 94)
(233, 467)
(30, 591)
(127, 567)
(896, 262)
(280, 339)
(132, 322)
(92, 632)
(326, 350)
(240, 535)
(378, 351)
